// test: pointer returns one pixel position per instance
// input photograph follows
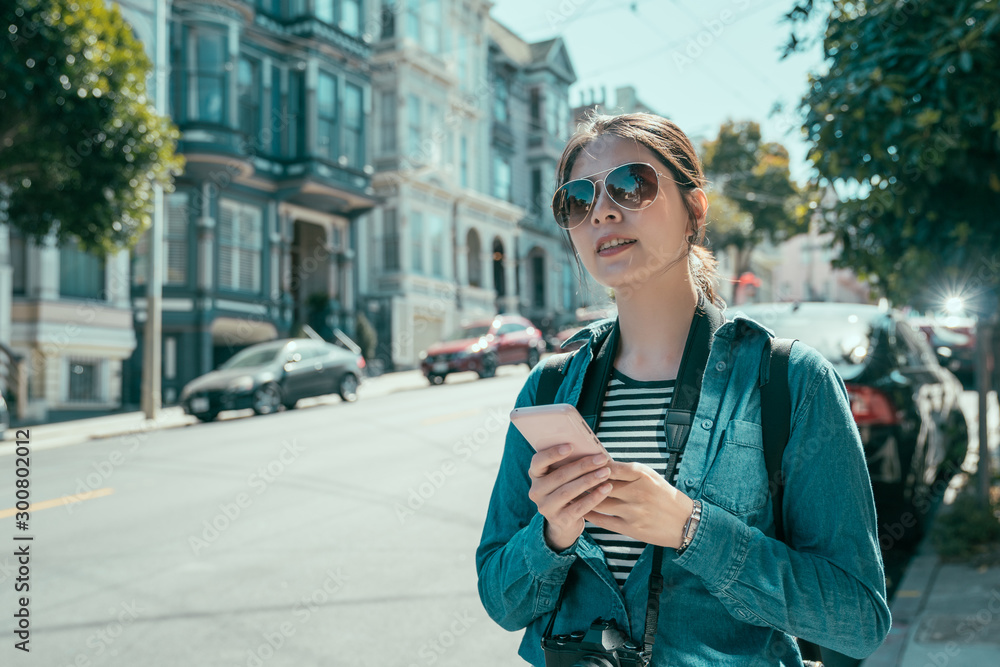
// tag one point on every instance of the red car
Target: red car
(482, 346)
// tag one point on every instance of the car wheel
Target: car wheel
(290, 405)
(489, 366)
(956, 435)
(435, 379)
(266, 399)
(348, 389)
(533, 357)
(207, 416)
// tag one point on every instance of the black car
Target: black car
(268, 375)
(906, 405)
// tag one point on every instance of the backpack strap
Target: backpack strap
(776, 417)
(552, 376)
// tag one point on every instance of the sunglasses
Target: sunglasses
(633, 186)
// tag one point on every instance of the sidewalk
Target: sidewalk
(63, 434)
(946, 614)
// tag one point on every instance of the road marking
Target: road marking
(58, 502)
(908, 594)
(447, 418)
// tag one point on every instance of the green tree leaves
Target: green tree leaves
(81, 145)
(905, 125)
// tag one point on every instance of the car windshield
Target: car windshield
(842, 335)
(476, 331)
(251, 358)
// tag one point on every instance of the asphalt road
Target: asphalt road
(334, 534)
(339, 534)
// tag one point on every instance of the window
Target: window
(169, 357)
(175, 238)
(18, 262)
(539, 275)
(536, 108)
(248, 93)
(552, 114)
(500, 99)
(435, 122)
(417, 241)
(413, 115)
(210, 76)
(387, 122)
(437, 244)
(463, 169)
(239, 246)
(324, 10)
(326, 127)
(278, 117)
(296, 120)
(463, 66)
(501, 177)
(509, 328)
(536, 191)
(354, 144)
(81, 274)
(432, 27)
(390, 240)
(84, 381)
(413, 19)
(475, 261)
(350, 17)
(272, 7)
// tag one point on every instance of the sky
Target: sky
(697, 63)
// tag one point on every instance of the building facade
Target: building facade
(531, 123)
(441, 248)
(68, 313)
(272, 100)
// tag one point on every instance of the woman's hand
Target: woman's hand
(643, 506)
(565, 495)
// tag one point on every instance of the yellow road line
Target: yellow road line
(58, 502)
(908, 594)
(447, 418)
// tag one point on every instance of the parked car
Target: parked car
(584, 317)
(904, 402)
(953, 339)
(277, 373)
(483, 346)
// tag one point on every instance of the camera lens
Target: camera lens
(593, 661)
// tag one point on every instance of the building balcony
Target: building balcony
(309, 27)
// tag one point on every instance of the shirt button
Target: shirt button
(721, 366)
(689, 483)
(707, 424)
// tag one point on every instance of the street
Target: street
(339, 534)
(332, 534)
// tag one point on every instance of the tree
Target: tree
(905, 123)
(757, 198)
(81, 145)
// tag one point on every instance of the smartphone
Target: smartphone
(545, 426)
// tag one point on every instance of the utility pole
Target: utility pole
(151, 363)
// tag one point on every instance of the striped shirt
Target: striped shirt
(631, 429)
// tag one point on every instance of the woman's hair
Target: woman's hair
(674, 150)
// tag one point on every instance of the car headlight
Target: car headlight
(423, 355)
(244, 383)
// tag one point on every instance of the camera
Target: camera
(603, 645)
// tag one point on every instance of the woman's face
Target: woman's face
(656, 236)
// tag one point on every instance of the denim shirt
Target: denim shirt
(737, 595)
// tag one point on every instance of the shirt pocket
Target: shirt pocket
(737, 480)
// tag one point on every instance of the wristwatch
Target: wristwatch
(690, 526)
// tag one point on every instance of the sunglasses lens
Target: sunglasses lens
(633, 186)
(572, 203)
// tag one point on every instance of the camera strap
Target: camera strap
(676, 424)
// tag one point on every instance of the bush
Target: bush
(967, 530)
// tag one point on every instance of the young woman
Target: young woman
(564, 547)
